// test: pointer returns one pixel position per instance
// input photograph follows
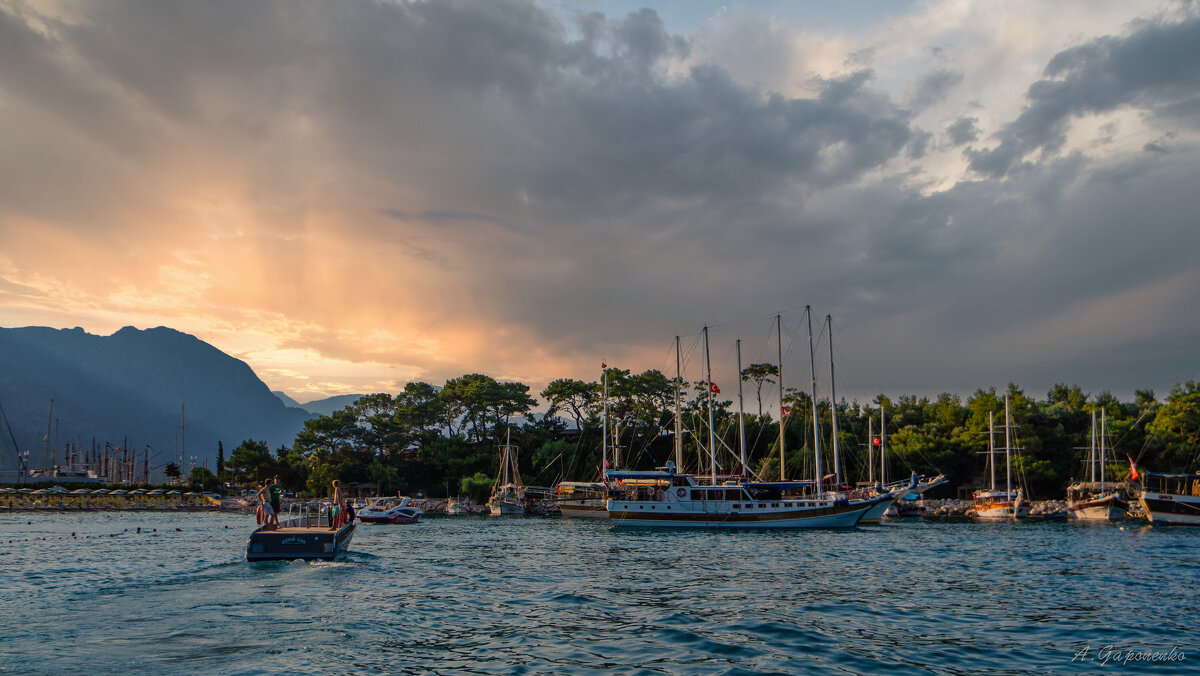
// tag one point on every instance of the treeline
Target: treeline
(444, 441)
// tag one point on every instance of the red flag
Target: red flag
(786, 413)
(712, 387)
(877, 441)
(1133, 474)
(603, 365)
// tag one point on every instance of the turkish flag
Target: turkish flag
(712, 387)
(876, 441)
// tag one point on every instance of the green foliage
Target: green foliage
(445, 441)
(478, 487)
(202, 479)
(172, 471)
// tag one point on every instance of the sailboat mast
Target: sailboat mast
(782, 415)
(712, 445)
(47, 462)
(1092, 453)
(1007, 446)
(1103, 440)
(882, 445)
(992, 446)
(837, 468)
(812, 369)
(870, 447)
(604, 422)
(741, 414)
(678, 422)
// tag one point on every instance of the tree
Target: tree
(172, 471)
(251, 461)
(202, 479)
(220, 458)
(759, 374)
(575, 396)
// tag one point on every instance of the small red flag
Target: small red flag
(712, 387)
(603, 365)
(785, 411)
(1133, 474)
(877, 441)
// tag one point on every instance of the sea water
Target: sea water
(88, 593)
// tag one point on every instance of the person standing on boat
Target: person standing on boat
(335, 514)
(275, 498)
(269, 521)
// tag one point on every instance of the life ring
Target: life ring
(680, 492)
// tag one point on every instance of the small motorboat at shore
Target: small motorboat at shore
(389, 510)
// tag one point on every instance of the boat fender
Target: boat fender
(680, 492)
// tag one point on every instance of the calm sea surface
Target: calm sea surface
(542, 595)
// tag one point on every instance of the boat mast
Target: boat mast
(837, 469)
(882, 445)
(741, 414)
(47, 462)
(992, 446)
(782, 414)
(1092, 454)
(812, 369)
(678, 422)
(1103, 440)
(870, 447)
(712, 447)
(604, 441)
(1007, 446)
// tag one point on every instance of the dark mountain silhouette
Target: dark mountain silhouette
(132, 384)
(325, 406)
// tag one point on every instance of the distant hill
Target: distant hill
(321, 406)
(132, 384)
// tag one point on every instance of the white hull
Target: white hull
(876, 513)
(719, 514)
(583, 509)
(1002, 512)
(1109, 513)
(1167, 508)
(506, 508)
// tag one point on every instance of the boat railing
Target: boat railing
(307, 515)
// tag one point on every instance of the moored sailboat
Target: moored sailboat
(1097, 500)
(994, 504)
(508, 495)
(1168, 498)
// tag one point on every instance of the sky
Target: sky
(353, 195)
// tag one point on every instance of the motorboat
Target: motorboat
(310, 531)
(389, 510)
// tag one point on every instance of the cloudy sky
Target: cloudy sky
(352, 195)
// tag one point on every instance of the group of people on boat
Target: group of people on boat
(270, 493)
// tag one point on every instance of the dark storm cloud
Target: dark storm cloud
(1156, 68)
(580, 176)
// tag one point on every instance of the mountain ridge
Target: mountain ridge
(142, 384)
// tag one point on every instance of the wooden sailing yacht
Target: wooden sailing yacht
(667, 498)
(508, 495)
(992, 504)
(1097, 500)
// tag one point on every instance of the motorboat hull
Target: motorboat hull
(292, 543)
(1167, 508)
(1107, 508)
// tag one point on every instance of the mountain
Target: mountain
(321, 406)
(133, 384)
